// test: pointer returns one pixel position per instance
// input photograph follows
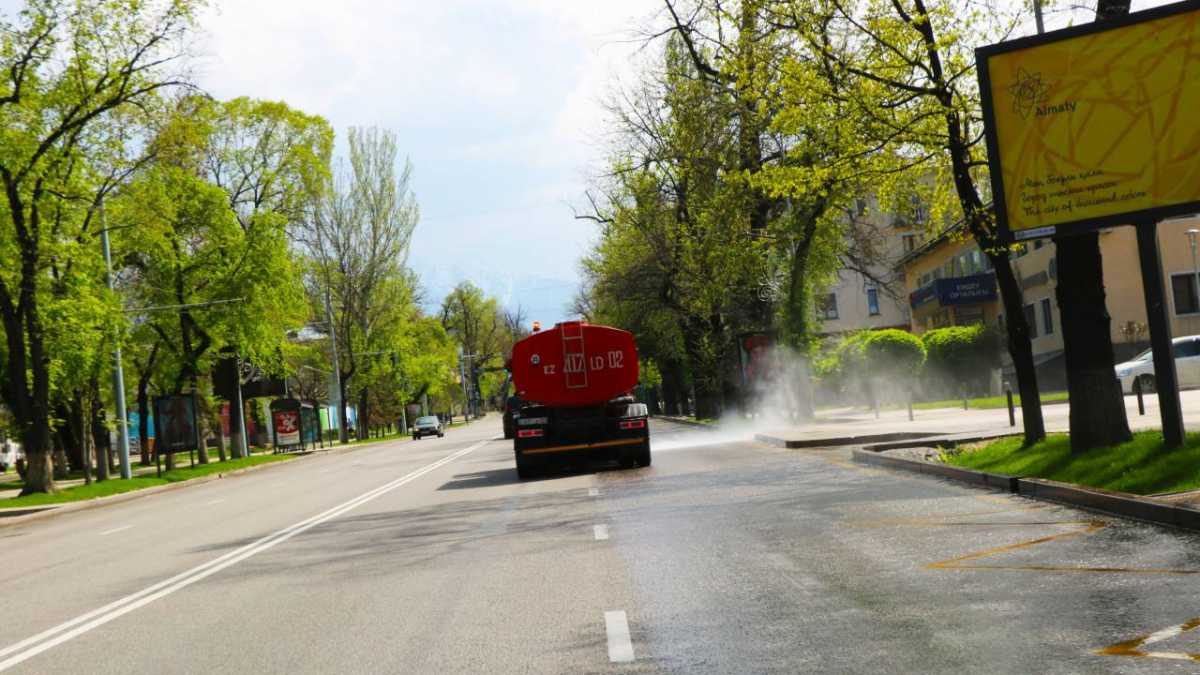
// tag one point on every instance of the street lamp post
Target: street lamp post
(1195, 269)
(118, 371)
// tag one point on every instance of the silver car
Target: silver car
(429, 425)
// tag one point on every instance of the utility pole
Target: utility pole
(337, 372)
(118, 371)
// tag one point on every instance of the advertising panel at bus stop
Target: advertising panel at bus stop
(1095, 125)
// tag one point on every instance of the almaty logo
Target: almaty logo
(1028, 92)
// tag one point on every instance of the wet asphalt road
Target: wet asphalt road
(726, 556)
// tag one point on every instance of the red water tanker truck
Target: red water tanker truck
(575, 383)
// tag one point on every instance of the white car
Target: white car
(1141, 367)
(10, 452)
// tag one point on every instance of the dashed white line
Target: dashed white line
(47, 639)
(215, 501)
(601, 532)
(593, 492)
(115, 530)
(620, 647)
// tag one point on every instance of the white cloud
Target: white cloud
(496, 101)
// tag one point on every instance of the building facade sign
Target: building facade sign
(969, 290)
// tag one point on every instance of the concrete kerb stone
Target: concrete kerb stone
(685, 421)
(1121, 504)
(993, 481)
(39, 512)
(834, 441)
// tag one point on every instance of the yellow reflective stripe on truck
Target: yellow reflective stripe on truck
(580, 446)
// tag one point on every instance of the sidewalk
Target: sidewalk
(845, 426)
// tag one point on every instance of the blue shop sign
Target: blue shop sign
(969, 290)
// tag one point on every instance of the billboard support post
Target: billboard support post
(1166, 379)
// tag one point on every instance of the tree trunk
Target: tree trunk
(1097, 416)
(363, 414)
(70, 434)
(1020, 349)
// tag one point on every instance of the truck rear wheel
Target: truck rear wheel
(643, 454)
(526, 468)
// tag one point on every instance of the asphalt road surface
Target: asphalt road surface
(725, 556)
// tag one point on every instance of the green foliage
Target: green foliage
(893, 353)
(960, 356)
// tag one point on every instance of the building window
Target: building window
(1183, 289)
(1047, 316)
(873, 301)
(827, 307)
(1031, 320)
(910, 242)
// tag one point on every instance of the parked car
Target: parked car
(10, 454)
(1140, 369)
(429, 425)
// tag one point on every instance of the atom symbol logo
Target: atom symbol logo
(1028, 92)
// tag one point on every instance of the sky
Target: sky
(498, 104)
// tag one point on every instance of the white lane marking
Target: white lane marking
(620, 647)
(115, 530)
(601, 532)
(59, 634)
(593, 492)
(215, 501)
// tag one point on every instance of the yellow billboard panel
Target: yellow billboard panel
(1095, 125)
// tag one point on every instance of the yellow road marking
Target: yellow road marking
(1134, 647)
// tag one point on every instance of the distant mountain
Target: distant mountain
(542, 298)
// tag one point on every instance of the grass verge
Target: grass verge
(987, 403)
(118, 486)
(1140, 466)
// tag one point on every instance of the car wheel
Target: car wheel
(1146, 382)
(416, 437)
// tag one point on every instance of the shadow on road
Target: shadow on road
(508, 475)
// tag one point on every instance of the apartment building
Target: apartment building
(873, 296)
(950, 282)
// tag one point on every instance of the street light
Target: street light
(1195, 269)
(118, 371)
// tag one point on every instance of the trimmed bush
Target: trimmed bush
(961, 357)
(893, 353)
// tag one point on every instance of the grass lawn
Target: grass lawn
(117, 486)
(1140, 466)
(988, 403)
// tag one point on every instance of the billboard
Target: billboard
(1095, 125)
(175, 422)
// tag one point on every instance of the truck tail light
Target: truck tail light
(530, 433)
(633, 424)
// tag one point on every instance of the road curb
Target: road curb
(835, 441)
(47, 511)
(1124, 504)
(995, 481)
(1121, 504)
(685, 421)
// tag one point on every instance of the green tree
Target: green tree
(357, 232)
(66, 67)
(906, 72)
